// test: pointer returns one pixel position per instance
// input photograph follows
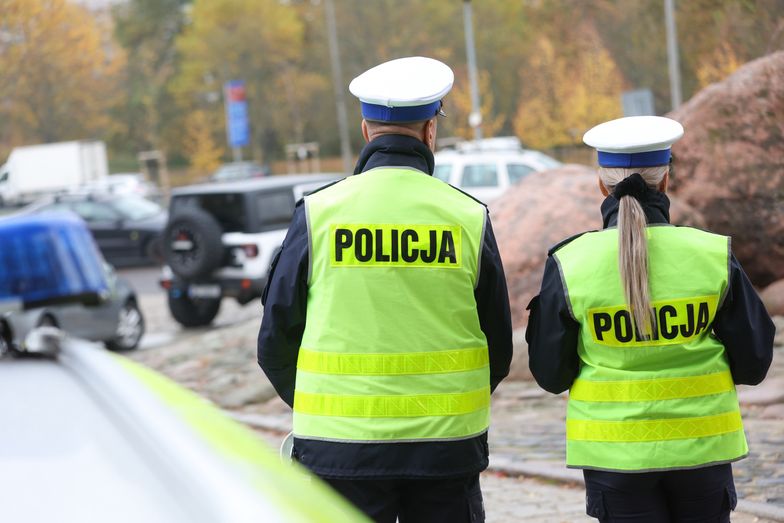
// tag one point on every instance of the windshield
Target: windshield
(546, 161)
(443, 172)
(135, 208)
(228, 209)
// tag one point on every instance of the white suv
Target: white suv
(221, 238)
(485, 169)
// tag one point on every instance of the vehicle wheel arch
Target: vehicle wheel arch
(47, 319)
(6, 336)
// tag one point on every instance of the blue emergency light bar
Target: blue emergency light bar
(49, 258)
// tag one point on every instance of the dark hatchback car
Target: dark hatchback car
(126, 228)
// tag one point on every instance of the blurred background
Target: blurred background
(170, 128)
(148, 75)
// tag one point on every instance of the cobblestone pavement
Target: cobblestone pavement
(527, 423)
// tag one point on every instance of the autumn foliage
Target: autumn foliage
(144, 74)
(60, 72)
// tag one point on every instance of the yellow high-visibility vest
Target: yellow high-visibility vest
(662, 401)
(392, 348)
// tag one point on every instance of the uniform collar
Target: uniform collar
(656, 206)
(395, 150)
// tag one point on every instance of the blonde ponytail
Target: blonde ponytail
(633, 244)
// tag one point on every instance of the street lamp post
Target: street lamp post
(337, 80)
(475, 119)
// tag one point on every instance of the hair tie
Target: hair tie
(633, 185)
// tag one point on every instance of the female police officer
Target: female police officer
(650, 326)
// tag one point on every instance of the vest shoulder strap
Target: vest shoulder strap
(477, 200)
(568, 240)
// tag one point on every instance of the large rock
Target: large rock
(773, 298)
(730, 163)
(543, 210)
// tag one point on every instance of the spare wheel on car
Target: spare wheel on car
(192, 243)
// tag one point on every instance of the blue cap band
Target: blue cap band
(417, 113)
(646, 159)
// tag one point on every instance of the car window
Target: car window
(135, 208)
(56, 207)
(4, 177)
(518, 171)
(228, 209)
(480, 175)
(275, 208)
(544, 160)
(94, 211)
(443, 172)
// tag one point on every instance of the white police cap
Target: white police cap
(403, 90)
(634, 141)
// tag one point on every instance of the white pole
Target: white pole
(475, 120)
(672, 54)
(337, 81)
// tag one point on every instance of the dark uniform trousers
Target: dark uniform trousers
(704, 495)
(415, 500)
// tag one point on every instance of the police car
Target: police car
(89, 436)
(486, 168)
(221, 238)
(40, 254)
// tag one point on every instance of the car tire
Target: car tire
(193, 312)
(6, 338)
(192, 244)
(130, 328)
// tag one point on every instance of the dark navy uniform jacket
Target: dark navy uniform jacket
(285, 307)
(742, 323)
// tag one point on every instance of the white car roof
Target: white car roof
(89, 436)
(59, 448)
(485, 156)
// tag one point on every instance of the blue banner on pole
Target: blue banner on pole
(237, 124)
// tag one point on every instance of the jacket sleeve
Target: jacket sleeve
(745, 328)
(492, 303)
(285, 305)
(552, 334)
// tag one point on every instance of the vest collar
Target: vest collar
(395, 150)
(656, 206)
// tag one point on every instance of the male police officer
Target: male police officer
(388, 305)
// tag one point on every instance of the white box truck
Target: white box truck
(36, 170)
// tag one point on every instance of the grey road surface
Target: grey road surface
(161, 327)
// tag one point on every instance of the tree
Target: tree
(147, 30)
(259, 41)
(721, 63)
(459, 107)
(59, 72)
(203, 154)
(562, 95)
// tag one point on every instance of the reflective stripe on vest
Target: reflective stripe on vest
(391, 364)
(665, 400)
(652, 389)
(394, 406)
(392, 349)
(653, 430)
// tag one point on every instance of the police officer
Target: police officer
(650, 327)
(386, 317)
